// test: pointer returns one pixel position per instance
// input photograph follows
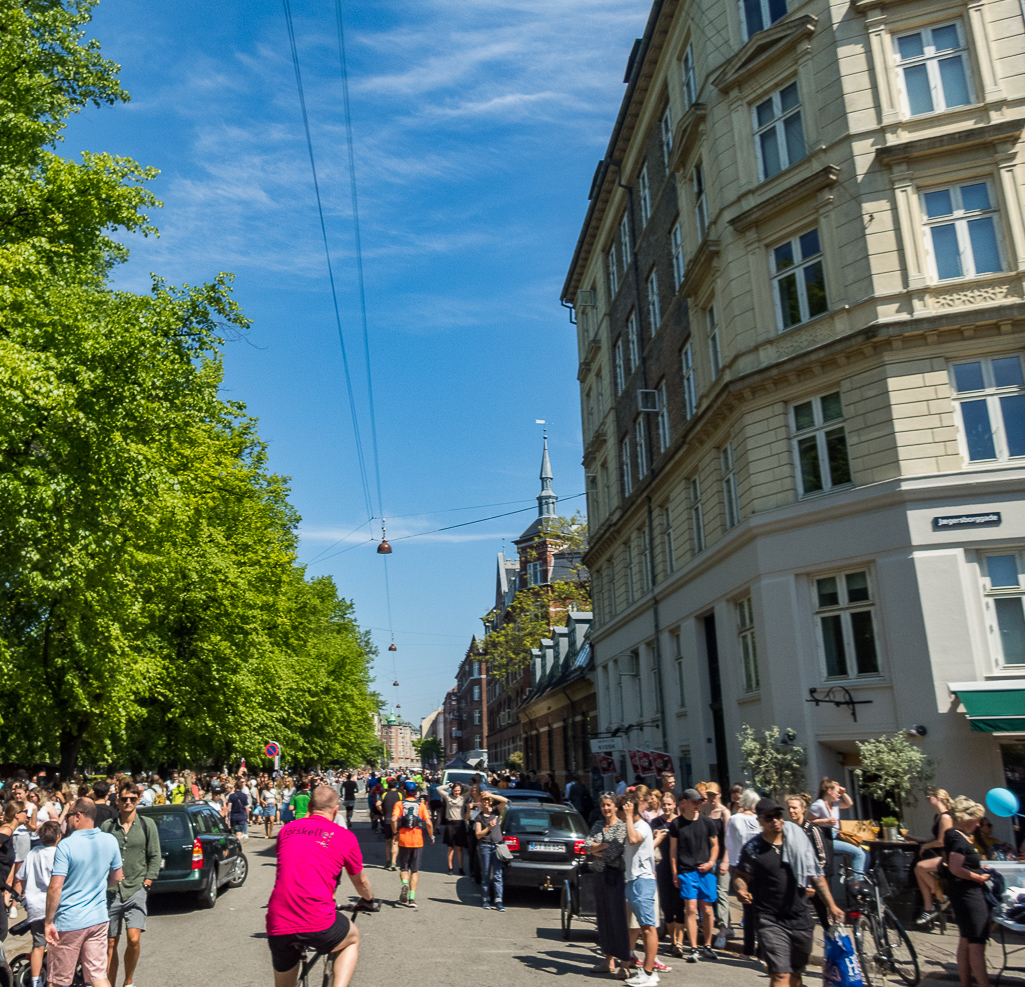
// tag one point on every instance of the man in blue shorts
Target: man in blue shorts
(693, 849)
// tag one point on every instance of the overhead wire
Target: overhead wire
(463, 524)
(340, 540)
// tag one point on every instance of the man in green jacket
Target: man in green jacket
(139, 842)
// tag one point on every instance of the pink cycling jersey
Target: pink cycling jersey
(312, 853)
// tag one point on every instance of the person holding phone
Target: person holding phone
(605, 846)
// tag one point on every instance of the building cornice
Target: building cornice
(790, 196)
(761, 48)
(995, 133)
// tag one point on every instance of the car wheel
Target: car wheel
(208, 896)
(241, 872)
(566, 910)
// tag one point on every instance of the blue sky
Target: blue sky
(478, 125)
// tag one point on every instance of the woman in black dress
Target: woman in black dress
(930, 853)
(605, 852)
(15, 815)
(962, 872)
(454, 801)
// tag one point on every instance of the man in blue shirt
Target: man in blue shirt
(85, 864)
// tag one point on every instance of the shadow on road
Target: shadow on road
(551, 962)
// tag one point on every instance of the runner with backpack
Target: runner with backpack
(410, 820)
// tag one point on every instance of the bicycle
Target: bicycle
(309, 958)
(883, 947)
(20, 969)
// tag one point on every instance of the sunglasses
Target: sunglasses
(775, 814)
(128, 798)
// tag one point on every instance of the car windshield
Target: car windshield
(171, 826)
(540, 821)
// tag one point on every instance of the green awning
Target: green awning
(994, 710)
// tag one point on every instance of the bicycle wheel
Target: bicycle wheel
(897, 952)
(861, 933)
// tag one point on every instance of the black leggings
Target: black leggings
(609, 900)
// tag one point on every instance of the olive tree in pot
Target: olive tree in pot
(894, 771)
(774, 766)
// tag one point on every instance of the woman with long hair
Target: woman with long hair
(965, 878)
(15, 815)
(605, 846)
(931, 853)
(825, 812)
(453, 801)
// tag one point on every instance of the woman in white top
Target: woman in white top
(825, 812)
(269, 809)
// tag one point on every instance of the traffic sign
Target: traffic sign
(272, 749)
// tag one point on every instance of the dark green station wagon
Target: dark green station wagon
(198, 852)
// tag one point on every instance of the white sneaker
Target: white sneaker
(642, 979)
(13, 913)
(720, 939)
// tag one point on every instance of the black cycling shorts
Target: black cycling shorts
(287, 950)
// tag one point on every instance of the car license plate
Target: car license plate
(546, 848)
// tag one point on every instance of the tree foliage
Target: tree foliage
(429, 750)
(894, 771)
(773, 766)
(151, 609)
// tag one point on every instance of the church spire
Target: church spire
(546, 500)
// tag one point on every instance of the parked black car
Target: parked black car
(546, 840)
(198, 851)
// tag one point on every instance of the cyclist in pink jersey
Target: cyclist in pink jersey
(301, 914)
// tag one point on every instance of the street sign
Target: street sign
(606, 745)
(272, 749)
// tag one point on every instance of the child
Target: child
(32, 879)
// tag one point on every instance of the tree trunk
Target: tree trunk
(70, 748)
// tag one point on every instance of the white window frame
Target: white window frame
(690, 394)
(618, 368)
(730, 499)
(654, 305)
(845, 609)
(992, 395)
(676, 247)
(644, 559)
(700, 191)
(820, 433)
(663, 417)
(666, 127)
(610, 261)
(780, 116)
(797, 272)
(748, 644)
(960, 219)
(667, 535)
(642, 458)
(767, 20)
(714, 353)
(690, 87)
(599, 392)
(624, 241)
(534, 574)
(644, 195)
(931, 60)
(476, 693)
(627, 468)
(993, 594)
(609, 584)
(628, 562)
(606, 486)
(697, 516)
(633, 341)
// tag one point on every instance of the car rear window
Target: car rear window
(542, 821)
(171, 826)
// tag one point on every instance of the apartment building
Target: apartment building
(471, 717)
(397, 735)
(800, 308)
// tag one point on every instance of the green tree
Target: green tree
(429, 749)
(894, 771)
(773, 766)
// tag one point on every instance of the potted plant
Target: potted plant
(891, 828)
(774, 765)
(894, 771)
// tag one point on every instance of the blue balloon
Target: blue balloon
(1002, 802)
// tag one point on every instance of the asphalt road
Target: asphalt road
(449, 940)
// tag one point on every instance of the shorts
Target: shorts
(409, 858)
(784, 950)
(38, 930)
(85, 946)
(387, 830)
(287, 950)
(640, 896)
(132, 912)
(695, 886)
(270, 811)
(239, 825)
(350, 806)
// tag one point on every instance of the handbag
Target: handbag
(840, 967)
(503, 853)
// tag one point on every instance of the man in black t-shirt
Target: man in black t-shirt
(391, 798)
(693, 850)
(766, 879)
(349, 789)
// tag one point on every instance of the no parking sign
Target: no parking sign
(272, 749)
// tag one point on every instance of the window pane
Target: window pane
(916, 81)
(910, 46)
(777, 9)
(975, 196)
(788, 98)
(764, 112)
(985, 252)
(978, 433)
(753, 16)
(955, 85)
(832, 643)
(836, 451)
(945, 38)
(1013, 410)
(832, 409)
(829, 594)
(1002, 570)
(815, 286)
(804, 415)
(864, 642)
(938, 203)
(948, 256)
(784, 256)
(809, 244)
(968, 377)
(1011, 621)
(857, 587)
(789, 304)
(811, 469)
(770, 153)
(1007, 372)
(794, 134)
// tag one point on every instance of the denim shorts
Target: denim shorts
(640, 896)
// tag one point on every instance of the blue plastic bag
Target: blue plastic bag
(841, 967)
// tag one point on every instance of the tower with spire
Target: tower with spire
(546, 500)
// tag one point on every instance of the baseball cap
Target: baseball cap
(410, 786)
(693, 795)
(766, 807)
